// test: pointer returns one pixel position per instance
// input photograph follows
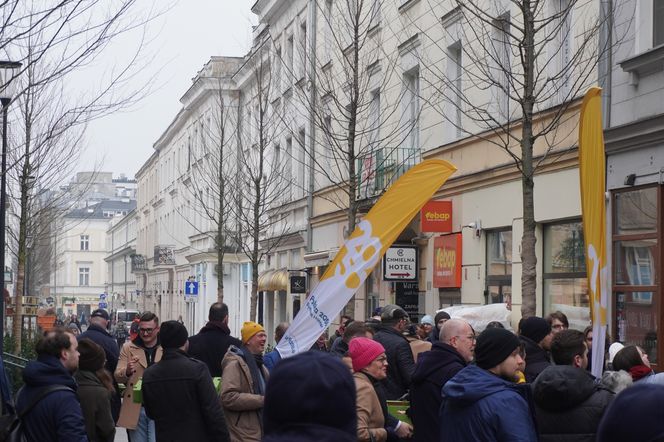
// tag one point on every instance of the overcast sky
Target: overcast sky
(183, 40)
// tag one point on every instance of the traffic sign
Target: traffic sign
(400, 264)
(102, 304)
(102, 296)
(191, 288)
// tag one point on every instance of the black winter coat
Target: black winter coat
(103, 338)
(401, 364)
(211, 344)
(569, 404)
(537, 359)
(432, 370)
(179, 396)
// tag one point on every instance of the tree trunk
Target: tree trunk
(528, 240)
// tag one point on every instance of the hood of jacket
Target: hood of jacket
(87, 378)
(534, 353)
(47, 370)
(473, 383)
(562, 387)
(432, 362)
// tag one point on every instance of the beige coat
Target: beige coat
(241, 405)
(418, 346)
(130, 411)
(370, 419)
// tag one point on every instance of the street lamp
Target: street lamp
(8, 70)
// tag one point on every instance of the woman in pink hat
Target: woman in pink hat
(374, 423)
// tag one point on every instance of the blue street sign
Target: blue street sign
(191, 288)
(103, 305)
(102, 296)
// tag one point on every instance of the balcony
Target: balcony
(138, 263)
(380, 168)
(164, 256)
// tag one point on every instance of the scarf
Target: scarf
(255, 363)
(639, 372)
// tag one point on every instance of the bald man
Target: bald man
(452, 352)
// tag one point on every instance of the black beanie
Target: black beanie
(535, 328)
(439, 316)
(172, 334)
(298, 395)
(91, 356)
(493, 346)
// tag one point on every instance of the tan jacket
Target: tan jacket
(130, 411)
(241, 405)
(370, 419)
(418, 346)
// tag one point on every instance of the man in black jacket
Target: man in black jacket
(98, 333)
(397, 349)
(448, 355)
(569, 403)
(178, 393)
(536, 336)
(212, 342)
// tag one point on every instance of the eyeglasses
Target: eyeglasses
(146, 331)
(469, 337)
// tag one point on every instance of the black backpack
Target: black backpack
(11, 427)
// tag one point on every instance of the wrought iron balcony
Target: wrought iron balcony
(164, 255)
(378, 169)
(138, 263)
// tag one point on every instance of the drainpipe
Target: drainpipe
(605, 65)
(312, 126)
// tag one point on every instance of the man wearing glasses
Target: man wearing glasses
(401, 364)
(135, 357)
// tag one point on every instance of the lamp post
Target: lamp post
(8, 70)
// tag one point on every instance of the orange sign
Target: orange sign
(447, 261)
(436, 216)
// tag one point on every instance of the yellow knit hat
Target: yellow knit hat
(249, 329)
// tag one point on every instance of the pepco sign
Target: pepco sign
(436, 217)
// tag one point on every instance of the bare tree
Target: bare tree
(512, 75)
(263, 179)
(366, 134)
(211, 181)
(49, 136)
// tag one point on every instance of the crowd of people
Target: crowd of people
(460, 385)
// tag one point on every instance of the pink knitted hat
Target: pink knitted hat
(363, 351)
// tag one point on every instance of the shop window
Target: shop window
(564, 277)
(499, 267)
(636, 260)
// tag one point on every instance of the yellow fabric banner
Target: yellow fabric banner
(593, 209)
(362, 251)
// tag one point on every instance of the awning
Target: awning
(272, 279)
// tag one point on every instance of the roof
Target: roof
(96, 211)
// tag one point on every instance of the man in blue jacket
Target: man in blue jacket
(58, 415)
(482, 402)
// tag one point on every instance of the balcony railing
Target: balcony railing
(378, 169)
(164, 255)
(138, 263)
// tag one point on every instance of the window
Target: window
(636, 255)
(327, 17)
(301, 162)
(411, 109)
(288, 61)
(277, 157)
(84, 276)
(374, 120)
(85, 242)
(288, 167)
(501, 56)
(499, 267)
(658, 23)
(455, 89)
(277, 68)
(374, 14)
(564, 277)
(561, 47)
(303, 49)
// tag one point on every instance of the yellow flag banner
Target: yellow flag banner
(362, 251)
(593, 209)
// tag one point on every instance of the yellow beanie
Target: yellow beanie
(249, 329)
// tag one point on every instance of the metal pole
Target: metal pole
(3, 186)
